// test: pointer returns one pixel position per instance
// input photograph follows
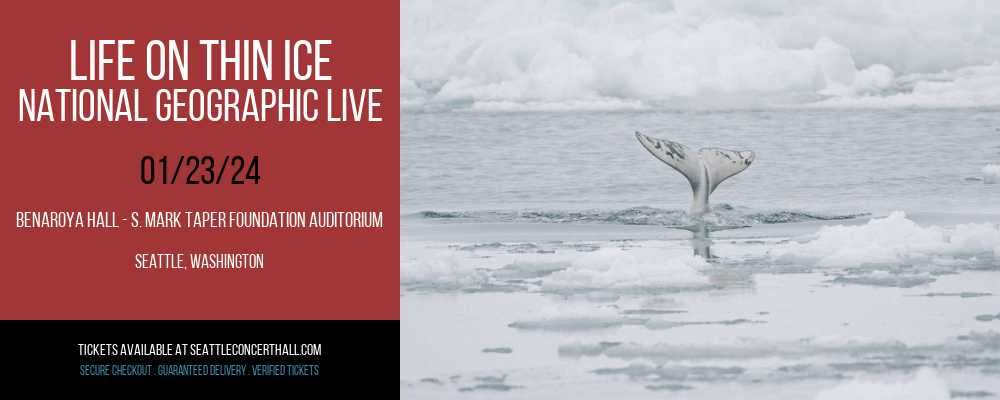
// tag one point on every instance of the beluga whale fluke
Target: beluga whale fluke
(705, 169)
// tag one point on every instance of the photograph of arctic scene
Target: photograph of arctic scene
(832, 230)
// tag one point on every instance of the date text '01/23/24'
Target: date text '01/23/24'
(205, 165)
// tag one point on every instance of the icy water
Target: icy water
(848, 161)
(548, 255)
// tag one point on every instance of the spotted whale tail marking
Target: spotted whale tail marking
(705, 169)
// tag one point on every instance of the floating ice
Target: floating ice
(962, 295)
(670, 387)
(674, 373)
(603, 297)
(925, 386)
(971, 393)
(616, 269)
(889, 240)
(754, 360)
(442, 272)
(657, 324)
(972, 346)
(741, 349)
(990, 173)
(490, 383)
(493, 288)
(526, 56)
(573, 319)
(886, 278)
(585, 318)
(528, 270)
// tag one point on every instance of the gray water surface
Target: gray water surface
(835, 161)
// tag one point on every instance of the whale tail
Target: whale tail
(705, 170)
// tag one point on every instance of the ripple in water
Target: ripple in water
(721, 215)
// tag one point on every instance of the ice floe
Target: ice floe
(616, 269)
(925, 386)
(990, 173)
(611, 55)
(894, 239)
(442, 272)
(575, 318)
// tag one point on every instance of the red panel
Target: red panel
(309, 273)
